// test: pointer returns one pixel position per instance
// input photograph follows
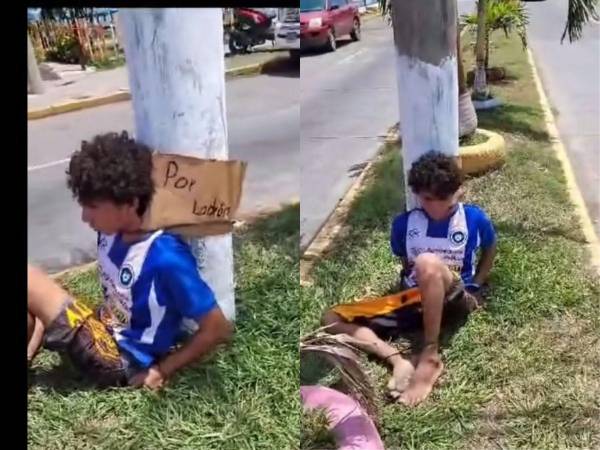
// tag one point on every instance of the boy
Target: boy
(149, 280)
(437, 244)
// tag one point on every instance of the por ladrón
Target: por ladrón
(216, 208)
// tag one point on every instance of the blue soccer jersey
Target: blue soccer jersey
(150, 287)
(455, 240)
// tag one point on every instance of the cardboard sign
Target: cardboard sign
(194, 197)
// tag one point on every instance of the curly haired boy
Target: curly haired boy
(149, 279)
(437, 244)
